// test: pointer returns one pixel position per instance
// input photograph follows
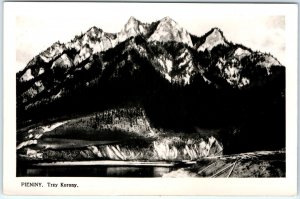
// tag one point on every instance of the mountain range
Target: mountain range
(180, 78)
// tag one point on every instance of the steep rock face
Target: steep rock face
(52, 52)
(240, 67)
(212, 39)
(35, 66)
(84, 53)
(26, 76)
(132, 28)
(241, 53)
(186, 67)
(177, 67)
(95, 38)
(63, 61)
(92, 42)
(231, 71)
(37, 88)
(169, 30)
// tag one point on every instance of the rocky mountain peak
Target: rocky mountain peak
(53, 51)
(132, 20)
(93, 31)
(211, 39)
(132, 28)
(168, 20)
(131, 23)
(241, 52)
(169, 30)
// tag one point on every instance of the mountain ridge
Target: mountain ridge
(211, 52)
(95, 67)
(110, 40)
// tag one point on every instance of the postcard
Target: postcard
(106, 98)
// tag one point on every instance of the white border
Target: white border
(151, 186)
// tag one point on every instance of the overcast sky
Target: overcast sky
(40, 25)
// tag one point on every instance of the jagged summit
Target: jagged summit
(132, 28)
(166, 30)
(133, 19)
(53, 51)
(211, 39)
(168, 19)
(94, 32)
(93, 41)
(95, 28)
(169, 30)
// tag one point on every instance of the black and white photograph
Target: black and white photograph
(150, 90)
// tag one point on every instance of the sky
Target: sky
(39, 25)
